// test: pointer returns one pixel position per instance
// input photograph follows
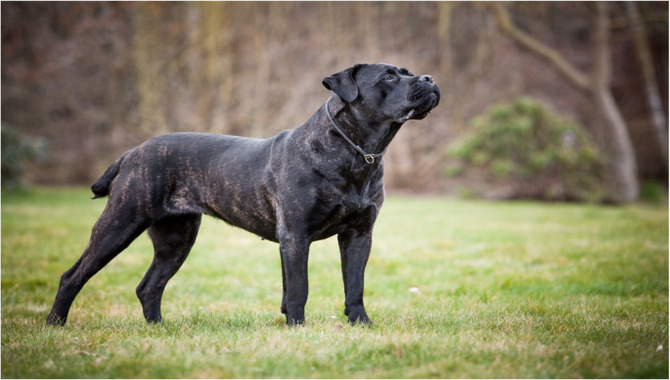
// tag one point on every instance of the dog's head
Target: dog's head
(385, 92)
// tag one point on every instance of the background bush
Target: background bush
(135, 70)
(524, 150)
(16, 149)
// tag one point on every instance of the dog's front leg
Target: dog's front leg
(354, 251)
(294, 254)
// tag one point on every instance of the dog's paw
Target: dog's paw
(54, 320)
(295, 322)
(363, 321)
(295, 319)
(358, 316)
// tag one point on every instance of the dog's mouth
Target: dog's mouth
(404, 116)
(420, 110)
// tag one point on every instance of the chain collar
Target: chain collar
(370, 158)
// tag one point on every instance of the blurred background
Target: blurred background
(541, 100)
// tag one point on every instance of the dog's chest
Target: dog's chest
(355, 201)
(334, 218)
(343, 207)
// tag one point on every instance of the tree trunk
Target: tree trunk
(150, 77)
(654, 100)
(262, 78)
(622, 165)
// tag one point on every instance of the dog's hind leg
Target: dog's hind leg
(109, 237)
(173, 238)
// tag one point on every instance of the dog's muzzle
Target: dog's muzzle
(423, 97)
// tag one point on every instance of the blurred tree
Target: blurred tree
(151, 72)
(96, 78)
(653, 96)
(625, 184)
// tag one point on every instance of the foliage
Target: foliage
(527, 149)
(654, 192)
(16, 150)
(134, 70)
(499, 290)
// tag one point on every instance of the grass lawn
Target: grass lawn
(457, 289)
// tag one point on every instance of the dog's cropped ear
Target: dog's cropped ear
(343, 83)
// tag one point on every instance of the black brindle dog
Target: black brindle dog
(320, 179)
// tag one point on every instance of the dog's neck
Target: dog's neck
(371, 137)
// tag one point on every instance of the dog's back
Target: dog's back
(197, 173)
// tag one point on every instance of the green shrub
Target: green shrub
(16, 149)
(524, 150)
(653, 192)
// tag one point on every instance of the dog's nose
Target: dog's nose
(426, 78)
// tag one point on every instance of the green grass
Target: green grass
(505, 290)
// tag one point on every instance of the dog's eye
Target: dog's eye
(388, 77)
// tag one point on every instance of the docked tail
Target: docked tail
(101, 187)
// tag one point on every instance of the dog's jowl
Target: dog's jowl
(320, 179)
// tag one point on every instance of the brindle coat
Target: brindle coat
(302, 185)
